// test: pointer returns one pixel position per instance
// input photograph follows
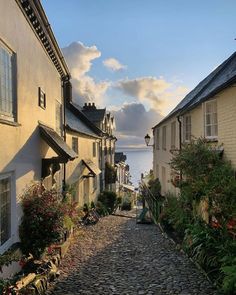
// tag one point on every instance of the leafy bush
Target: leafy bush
(42, 221)
(176, 215)
(108, 199)
(110, 174)
(101, 209)
(126, 205)
(154, 186)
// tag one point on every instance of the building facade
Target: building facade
(32, 74)
(208, 111)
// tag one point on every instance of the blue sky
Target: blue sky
(174, 42)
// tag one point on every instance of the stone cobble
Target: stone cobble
(118, 256)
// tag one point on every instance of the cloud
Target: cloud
(133, 121)
(157, 92)
(113, 64)
(79, 59)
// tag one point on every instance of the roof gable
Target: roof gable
(217, 80)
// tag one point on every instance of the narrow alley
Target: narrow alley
(118, 256)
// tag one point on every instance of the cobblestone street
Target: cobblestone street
(118, 256)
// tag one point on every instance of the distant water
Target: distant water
(139, 161)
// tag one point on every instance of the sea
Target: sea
(139, 161)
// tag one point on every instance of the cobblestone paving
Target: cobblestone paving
(117, 256)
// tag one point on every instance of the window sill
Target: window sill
(211, 139)
(6, 122)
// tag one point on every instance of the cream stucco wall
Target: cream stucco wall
(22, 149)
(226, 113)
(75, 170)
(162, 158)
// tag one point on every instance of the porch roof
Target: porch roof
(56, 143)
(92, 167)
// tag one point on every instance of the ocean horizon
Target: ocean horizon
(139, 160)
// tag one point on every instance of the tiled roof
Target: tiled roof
(222, 76)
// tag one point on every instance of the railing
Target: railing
(154, 202)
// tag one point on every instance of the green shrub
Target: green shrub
(108, 199)
(42, 221)
(176, 215)
(101, 209)
(126, 205)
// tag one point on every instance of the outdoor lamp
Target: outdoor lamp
(147, 140)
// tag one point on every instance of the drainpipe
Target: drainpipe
(180, 140)
(66, 79)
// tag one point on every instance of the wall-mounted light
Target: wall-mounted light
(147, 140)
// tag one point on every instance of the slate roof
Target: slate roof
(120, 157)
(74, 123)
(95, 115)
(221, 77)
(77, 111)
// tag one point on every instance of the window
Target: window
(5, 208)
(7, 87)
(211, 122)
(173, 135)
(94, 149)
(187, 128)
(95, 182)
(164, 137)
(163, 179)
(157, 139)
(42, 99)
(157, 171)
(75, 144)
(58, 117)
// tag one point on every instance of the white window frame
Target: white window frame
(2, 177)
(9, 111)
(173, 135)
(164, 135)
(215, 136)
(187, 128)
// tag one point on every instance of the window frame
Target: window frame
(94, 149)
(75, 144)
(164, 135)
(42, 98)
(10, 116)
(173, 135)
(215, 136)
(9, 204)
(58, 123)
(187, 134)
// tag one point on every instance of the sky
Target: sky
(140, 58)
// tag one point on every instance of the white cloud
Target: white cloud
(113, 64)
(158, 93)
(79, 59)
(133, 121)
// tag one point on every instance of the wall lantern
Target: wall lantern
(147, 140)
